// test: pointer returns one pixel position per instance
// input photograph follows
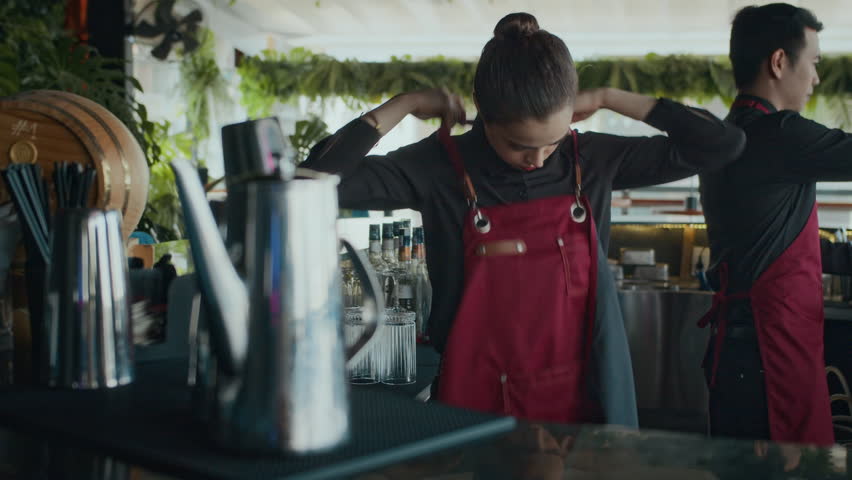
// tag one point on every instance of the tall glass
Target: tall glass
(398, 364)
(364, 372)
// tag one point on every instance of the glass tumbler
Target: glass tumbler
(364, 371)
(398, 348)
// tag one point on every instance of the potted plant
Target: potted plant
(307, 133)
(202, 86)
(36, 52)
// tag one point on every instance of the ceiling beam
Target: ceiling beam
(423, 14)
(274, 16)
(362, 14)
(474, 10)
(312, 22)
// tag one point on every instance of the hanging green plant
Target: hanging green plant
(201, 84)
(163, 215)
(282, 77)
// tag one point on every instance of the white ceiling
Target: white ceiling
(376, 29)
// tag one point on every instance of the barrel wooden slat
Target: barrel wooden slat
(89, 133)
(64, 127)
(136, 173)
(52, 142)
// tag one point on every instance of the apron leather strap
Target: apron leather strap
(578, 174)
(455, 157)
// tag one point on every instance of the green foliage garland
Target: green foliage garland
(286, 76)
(282, 77)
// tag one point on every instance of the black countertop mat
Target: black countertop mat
(150, 423)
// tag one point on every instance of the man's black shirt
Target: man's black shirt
(756, 206)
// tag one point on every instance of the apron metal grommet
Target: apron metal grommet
(481, 222)
(578, 212)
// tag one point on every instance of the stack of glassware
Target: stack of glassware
(407, 292)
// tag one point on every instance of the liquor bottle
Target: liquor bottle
(388, 247)
(423, 292)
(352, 294)
(406, 278)
(386, 275)
(376, 247)
(397, 235)
(418, 247)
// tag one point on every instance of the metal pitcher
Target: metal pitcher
(87, 334)
(250, 148)
(278, 380)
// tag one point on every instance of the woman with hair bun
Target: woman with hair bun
(516, 213)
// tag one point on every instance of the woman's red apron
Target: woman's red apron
(787, 306)
(521, 338)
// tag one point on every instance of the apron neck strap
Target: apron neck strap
(458, 165)
(749, 103)
(578, 174)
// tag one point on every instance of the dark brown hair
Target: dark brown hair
(757, 32)
(523, 72)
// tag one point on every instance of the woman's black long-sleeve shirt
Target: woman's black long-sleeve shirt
(420, 177)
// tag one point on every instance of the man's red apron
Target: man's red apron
(787, 306)
(522, 334)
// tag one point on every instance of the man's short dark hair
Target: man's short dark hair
(757, 32)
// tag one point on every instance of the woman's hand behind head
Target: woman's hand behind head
(438, 103)
(587, 103)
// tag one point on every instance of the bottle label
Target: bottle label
(405, 292)
(375, 246)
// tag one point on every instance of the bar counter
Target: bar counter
(147, 432)
(527, 452)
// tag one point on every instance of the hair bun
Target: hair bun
(516, 26)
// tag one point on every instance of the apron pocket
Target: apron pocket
(554, 395)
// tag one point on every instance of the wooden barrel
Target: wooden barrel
(46, 126)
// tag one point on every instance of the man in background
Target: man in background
(765, 364)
